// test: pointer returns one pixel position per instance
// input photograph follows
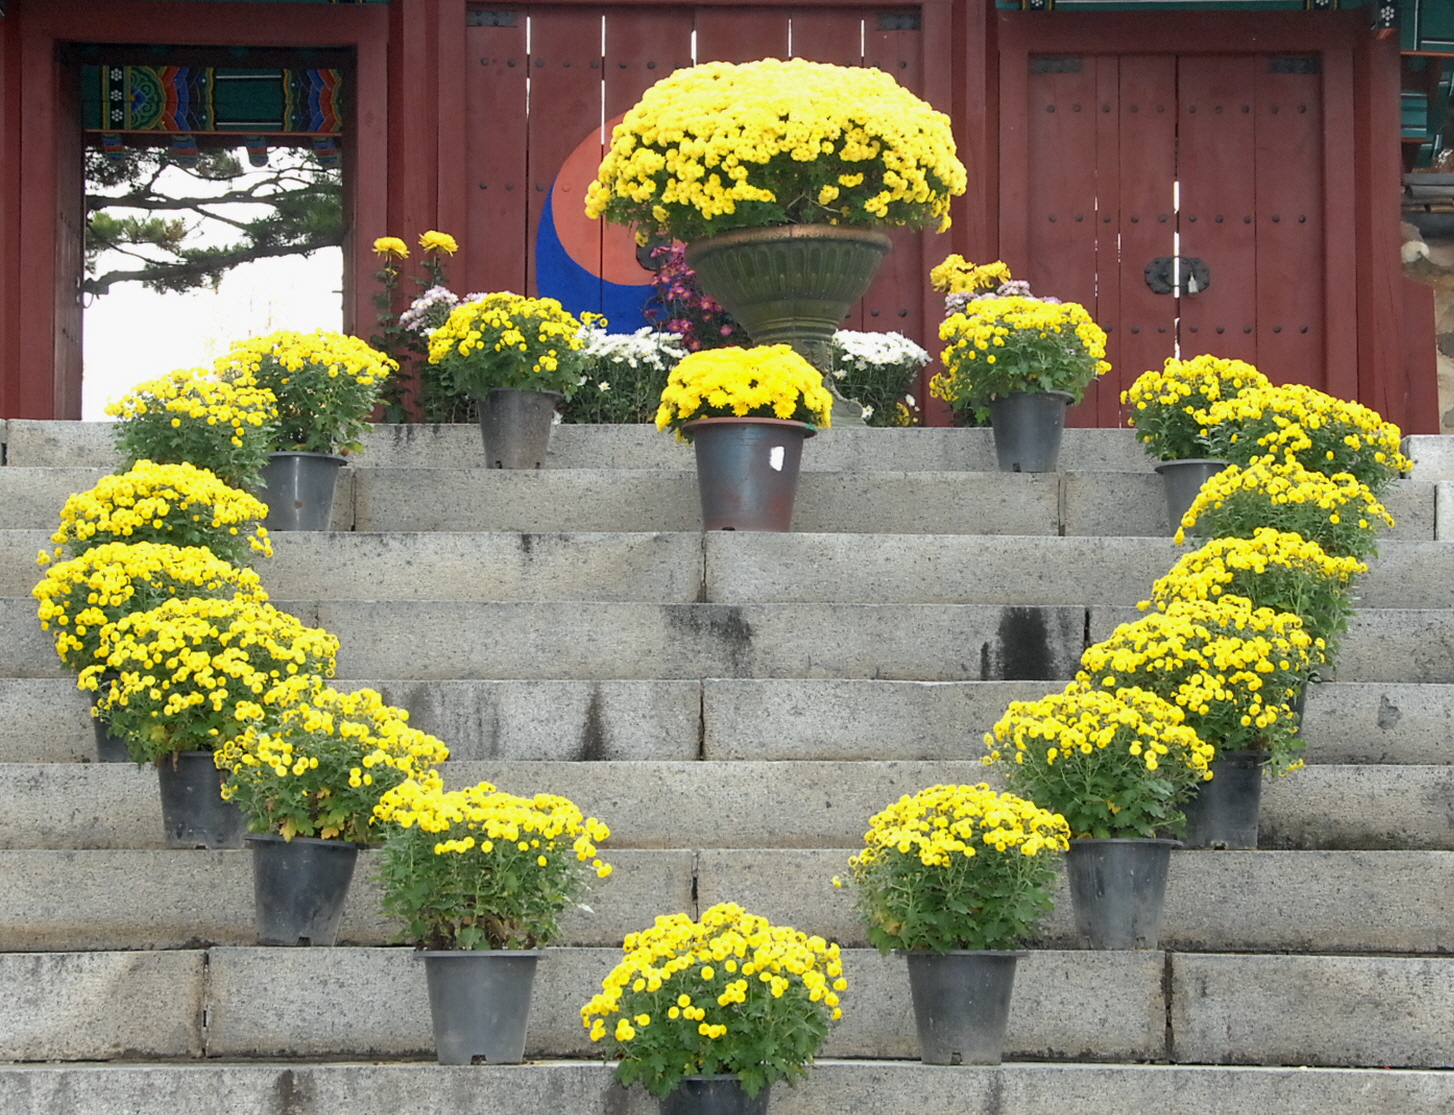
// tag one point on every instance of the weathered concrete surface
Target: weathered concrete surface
(95, 1006)
(598, 640)
(373, 1002)
(832, 1088)
(333, 565)
(1313, 1010)
(137, 899)
(1216, 901)
(1378, 722)
(1359, 807)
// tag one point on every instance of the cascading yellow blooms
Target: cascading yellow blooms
(1165, 404)
(723, 146)
(1233, 669)
(319, 765)
(1338, 512)
(710, 996)
(178, 504)
(768, 381)
(188, 672)
(1296, 422)
(1273, 569)
(80, 597)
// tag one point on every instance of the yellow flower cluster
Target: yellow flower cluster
(180, 504)
(318, 766)
(956, 275)
(1001, 345)
(1083, 719)
(186, 668)
(193, 394)
(1273, 568)
(480, 816)
(1166, 404)
(80, 597)
(1323, 433)
(335, 354)
(722, 146)
(768, 381)
(942, 822)
(506, 340)
(482, 868)
(326, 384)
(1338, 512)
(1114, 761)
(1234, 669)
(682, 971)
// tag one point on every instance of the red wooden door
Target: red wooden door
(1135, 158)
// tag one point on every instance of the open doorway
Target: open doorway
(212, 208)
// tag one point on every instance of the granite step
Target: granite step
(744, 803)
(832, 1088)
(45, 720)
(1262, 901)
(364, 1003)
(1096, 503)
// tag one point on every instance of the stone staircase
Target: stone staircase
(735, 706)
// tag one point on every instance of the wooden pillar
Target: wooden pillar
(9, 217)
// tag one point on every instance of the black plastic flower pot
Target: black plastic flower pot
(299, 888)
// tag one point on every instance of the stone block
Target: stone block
(1312, 1010)
(425, 640)
(490, 566)
(34, 443)
(1378, 722)
(45, 720)
(1359, 807)
(751, 567)
(18, 550)
(100, 1006)
(32, 498)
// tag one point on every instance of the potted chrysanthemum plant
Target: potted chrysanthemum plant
(747, 413)
(957, 878)
(480, 879)
(1026, 360)
(308, 774)
(177, 683)
(82, 596)
(713, 1012)
(1116, 763)
(1167, 409)
(326, 385)
(519, 357)
(780, 177)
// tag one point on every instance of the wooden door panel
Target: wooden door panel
(1144, 333)
(565, 104)
(1216, 156)
(741, 34)
(495, 246)
(1291, 331)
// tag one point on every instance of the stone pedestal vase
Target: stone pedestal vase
(193, 812)
(747, 471)
(961, 1004)
(515, 426)
(1182, 481)
(299, 888)
(713, 1095)
(1118, 890)
(298, 489)
(1028, 428)
(479, 1001)
(1223, 813)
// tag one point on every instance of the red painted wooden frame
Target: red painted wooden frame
(32, 385)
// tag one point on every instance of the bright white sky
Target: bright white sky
(132, 334)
